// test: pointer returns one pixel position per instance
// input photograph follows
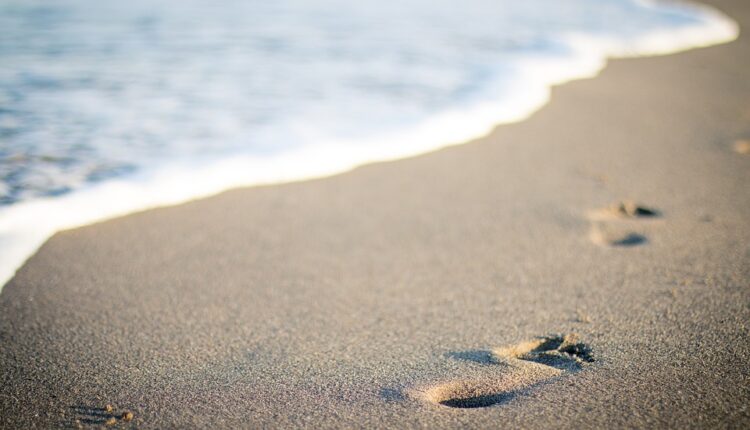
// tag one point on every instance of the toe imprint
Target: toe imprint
(511, 370)
(626, 209)
(561, 351)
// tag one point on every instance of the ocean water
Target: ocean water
(111, 107)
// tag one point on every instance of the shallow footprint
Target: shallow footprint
(618, 225)
(514, 369)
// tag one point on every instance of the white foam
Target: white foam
(25, 226)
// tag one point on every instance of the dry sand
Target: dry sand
(366, 299)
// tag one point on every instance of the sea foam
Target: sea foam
(510, 89)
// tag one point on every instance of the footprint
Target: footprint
(615, 225)
(97, 416)
(510, 371)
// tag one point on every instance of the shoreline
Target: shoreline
(380, 297)
(25, 226)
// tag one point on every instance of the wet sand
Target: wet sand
(437, 291)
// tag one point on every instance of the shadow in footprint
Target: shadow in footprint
(479, 401)
(600, 236)
(634, 210)
(630, 239)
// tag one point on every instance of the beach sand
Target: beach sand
(413, 293)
